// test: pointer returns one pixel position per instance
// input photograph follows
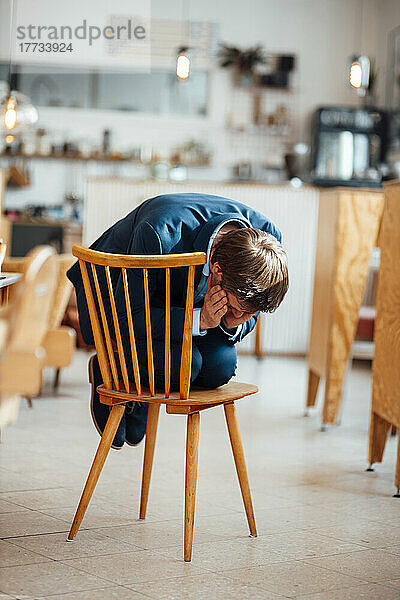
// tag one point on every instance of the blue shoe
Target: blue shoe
(136, 421)
(100, 412)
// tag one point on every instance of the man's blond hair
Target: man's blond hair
(254, 268)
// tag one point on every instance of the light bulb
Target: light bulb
(182, 66)
(355, 75)
(17, 115)
(10, 116)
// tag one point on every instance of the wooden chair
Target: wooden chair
(59, 342)
(23, 326)
(117, 393)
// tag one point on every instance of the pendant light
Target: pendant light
(184, 54)
(360, 66)
(359, 74)
(17, 114)
(183, 63)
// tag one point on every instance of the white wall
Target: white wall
(322, 33)
(388, 18)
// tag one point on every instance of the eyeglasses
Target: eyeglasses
(242, 311)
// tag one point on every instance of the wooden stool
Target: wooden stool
(348, 225)
(117, 393)
(385, 407)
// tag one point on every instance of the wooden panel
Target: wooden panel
(359, 218)
(323, 281)
(386, 367)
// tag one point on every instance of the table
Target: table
(385, 407)
(348, 225)
(6, 280)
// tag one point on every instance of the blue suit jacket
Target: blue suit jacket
(171, 223)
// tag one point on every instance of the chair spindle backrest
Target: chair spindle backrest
(103, 325)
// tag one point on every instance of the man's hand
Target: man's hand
(231, 322)
(214, 307)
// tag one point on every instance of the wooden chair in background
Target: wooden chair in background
(23, 326)
(59, 342)
(116, 392)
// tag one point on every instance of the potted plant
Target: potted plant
(243, 62)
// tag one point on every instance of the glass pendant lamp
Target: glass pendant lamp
(17, 114)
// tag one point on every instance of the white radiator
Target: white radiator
(295, 212)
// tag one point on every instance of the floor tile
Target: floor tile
(45, 579)
(225, 554)
(41, 499)
(303, 544)
(293, 578)
(11, 556)
(370, 591)
(393, 583)
(86, 543)
(12, 482)
(368, 565)
(204, 587)
(9, 507)
(99, 514)
(163, 534)
(29, 522)
(371, 534)
(391, 549)
(109, 593)
(137, 567)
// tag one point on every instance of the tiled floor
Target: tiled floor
(327, 529)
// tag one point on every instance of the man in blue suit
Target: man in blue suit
(245, 273)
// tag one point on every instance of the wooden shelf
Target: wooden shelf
(105, 159)
(66, 157)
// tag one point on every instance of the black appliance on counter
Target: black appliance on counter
(348, 146)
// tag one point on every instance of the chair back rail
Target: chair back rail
(103, 329)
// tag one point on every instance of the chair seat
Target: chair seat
(202, 397)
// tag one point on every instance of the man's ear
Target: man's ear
(217, 272)
(216, 268)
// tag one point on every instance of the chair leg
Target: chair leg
(397, 473)
(378, 431)
(102, 451)
(240, 463)
(151, 434)
(192, 455)
(56, 382)
(312, 387)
